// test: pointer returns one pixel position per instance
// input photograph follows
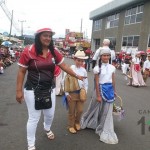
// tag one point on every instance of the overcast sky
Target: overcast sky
(56, 14)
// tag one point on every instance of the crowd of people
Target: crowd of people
(136, 68)
(8, 55)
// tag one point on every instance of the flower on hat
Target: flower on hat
(44, 30)
(80, 55)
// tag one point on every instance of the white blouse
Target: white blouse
(106, 72)
(146, 65)
(136, 60)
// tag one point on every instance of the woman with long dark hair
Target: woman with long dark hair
(39, 60)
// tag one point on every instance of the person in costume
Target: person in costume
(88, 53)
(39, 61)
(146, 68)
(137, 78)
(75, 104)
(127, 63)
(99, 114)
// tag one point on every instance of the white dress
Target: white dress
(137, 79)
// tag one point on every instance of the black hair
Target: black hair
(100, 62)
(38, 45)
(93, 63)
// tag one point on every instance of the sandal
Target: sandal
(77, 127)
(50, 135)
(31, 148)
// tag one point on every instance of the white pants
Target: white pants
(34, 115)
(124, 68)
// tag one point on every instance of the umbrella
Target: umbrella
(6, 43)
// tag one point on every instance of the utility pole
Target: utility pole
(22, 21)
(80, 31)
(11, 25)
(81, 27)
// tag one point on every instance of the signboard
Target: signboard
(79, 35)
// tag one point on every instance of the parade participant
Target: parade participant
(106, 43)
(99, 114)
(126, 64)
(39, 60)
(146, 68)
(137, 79)
(75, 104)
(88, 53)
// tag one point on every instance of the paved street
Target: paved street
(132, 133)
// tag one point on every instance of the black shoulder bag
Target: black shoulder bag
(42, 94)
(42, 98)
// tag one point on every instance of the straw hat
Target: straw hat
(44, 30)
(80, 55)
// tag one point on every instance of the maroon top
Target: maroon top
(40, 69)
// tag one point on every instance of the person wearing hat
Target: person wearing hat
(39, 61)
(146, 68)
(137, 79)
(99, 114)
(75, 104)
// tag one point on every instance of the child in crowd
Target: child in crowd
(146, 68)
(137, 78)
(75, 104)
(99, 114)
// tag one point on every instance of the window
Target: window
(97, 43)
(97, 25)
(125, 40)
(136, 41)
(112, 21)
(134, 15)
(130, 40)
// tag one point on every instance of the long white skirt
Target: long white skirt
(99, 117)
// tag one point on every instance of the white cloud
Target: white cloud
(57, 14)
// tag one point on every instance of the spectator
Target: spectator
(88, 53)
